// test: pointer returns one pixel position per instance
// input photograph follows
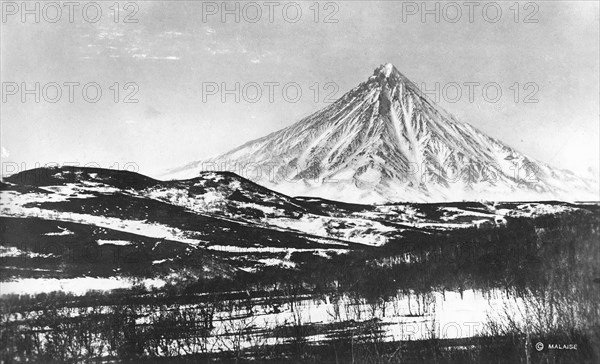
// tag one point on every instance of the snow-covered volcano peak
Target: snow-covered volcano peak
(385, 141)
(387, 69)
(388, 77)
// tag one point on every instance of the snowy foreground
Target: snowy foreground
(218, 264)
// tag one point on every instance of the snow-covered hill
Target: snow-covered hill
(73, 221)
(385, 141)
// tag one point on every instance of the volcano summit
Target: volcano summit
(386, 141)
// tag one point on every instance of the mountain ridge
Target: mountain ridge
(386, 141)
(77, 222)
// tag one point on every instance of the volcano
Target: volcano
(386, 141)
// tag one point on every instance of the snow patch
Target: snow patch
(63, 232)
(113, 242)
(77, 286)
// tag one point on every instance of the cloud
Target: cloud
(129, 121)
(109, 35)
(170, 34)
(156, 58)
(5, 153)
(151, 112)
(215, 51)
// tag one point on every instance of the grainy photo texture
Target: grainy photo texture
(305, 181)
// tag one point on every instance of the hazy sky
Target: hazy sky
(176, 49)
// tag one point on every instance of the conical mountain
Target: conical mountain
(385, 141)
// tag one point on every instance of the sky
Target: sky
(161, 68)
